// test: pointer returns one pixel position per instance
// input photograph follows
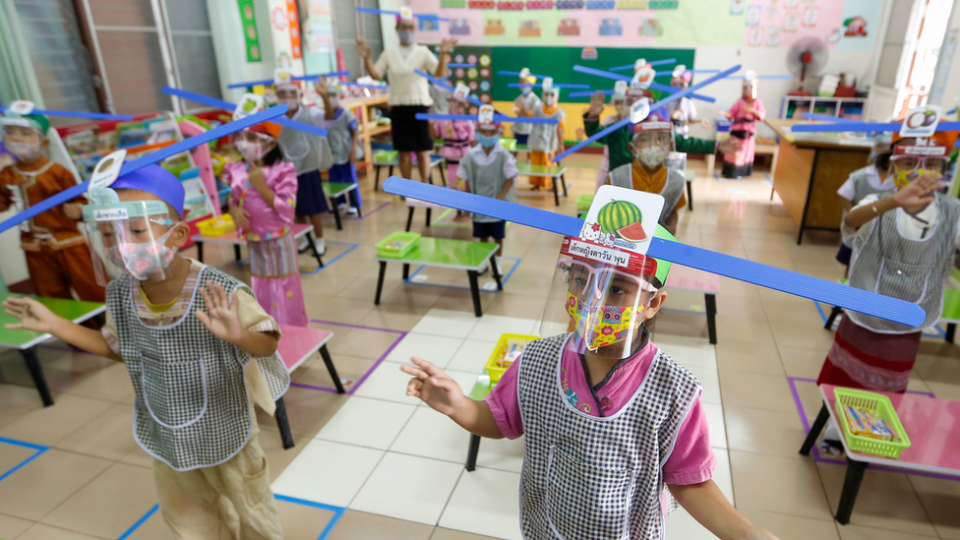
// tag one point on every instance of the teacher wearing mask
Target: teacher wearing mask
(409, 92)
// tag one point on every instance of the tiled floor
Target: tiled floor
(377, 464)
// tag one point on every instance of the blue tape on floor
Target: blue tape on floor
(939, 333)
(327, 264)
(506, 277)
(139, 522)
(39, 450)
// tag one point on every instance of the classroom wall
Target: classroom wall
(951, 93)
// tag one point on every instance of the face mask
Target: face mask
(550, 101)
(406, 36)
(251, 151)
(24, 151)
(600, 326)
(292, 103)
(902, 178)
(141, 260)
(652, 156)
(486, 141)
(334, 102)
(525, 90)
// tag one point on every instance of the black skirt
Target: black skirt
(410, 134)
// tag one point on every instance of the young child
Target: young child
(200, 352)
(489, 170)
(263, 195)
(457, 138)
(682, 111)
(903, 245)
(745, 113)
(545, 139)
(524, 106)
(608, 418)
(341, 127)
(618, 101)
(310, 155)
(870, 180)
(652, 140)
(58, 258)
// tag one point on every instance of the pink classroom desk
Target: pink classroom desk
(297, 344)
(932, 426)
(683, 278)
(233, 238)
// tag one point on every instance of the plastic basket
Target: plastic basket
(885, 410)
(407, 240)
(217, 226)
(509, 145)
(494, 365)
(386, 156)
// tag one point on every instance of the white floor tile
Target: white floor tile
(688, 351)
(491, 327)
(472, 356)
(502, 454)
(710, 381)
(407, 487)
(327, 472)
(371, 423)
(722, 476)
(718, 427)
(434, 349)
(433, 435)
(442, 322)
(485, 503)
(681, 526)
(389, 383)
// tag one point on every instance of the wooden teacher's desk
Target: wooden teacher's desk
(810, 168)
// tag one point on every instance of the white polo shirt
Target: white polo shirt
(406, 87)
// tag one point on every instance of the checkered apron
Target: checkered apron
(191, 407)
(594, 478)
(622, 176)
(911, 270)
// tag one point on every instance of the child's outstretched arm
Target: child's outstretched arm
(707, 505)
(434, 388)
(37, 317)
(223, 321)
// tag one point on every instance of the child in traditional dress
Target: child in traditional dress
(58, 258)
(745, 113)
(457, 138)
(524, 106)
(341, 126)
(546, 139)
(903, 245)
(608, 419)
(200, 351)
(489, 170)
(263, 195)
(870, 180)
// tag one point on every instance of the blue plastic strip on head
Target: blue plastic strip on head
(786, 281)
(188, 144)
(455, 65)
(673, 89)
(864, 127)
(589, 93)
(375, 11)
(825, 117)
(219, 103)
(672, 97)
(601, 73)
(79, 114)
(517, 74)
(268, 82)
(540, 85)
(630, 67)
(500, 118)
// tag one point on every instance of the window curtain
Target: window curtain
(17, 78)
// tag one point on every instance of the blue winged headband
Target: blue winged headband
(221, 104)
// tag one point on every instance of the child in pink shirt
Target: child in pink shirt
(457, 138)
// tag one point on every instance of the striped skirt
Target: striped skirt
(861, 358)
(273, 258)
(276, 280)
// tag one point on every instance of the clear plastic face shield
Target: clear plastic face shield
(253, 145)
(600, 294)
(289, 94)
(652, 143)
(22, 138)
(749, 89)
(128, 237)
(910, 160)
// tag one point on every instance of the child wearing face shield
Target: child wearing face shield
(341, 127)
(489, 170)
(546, 140)
(652, 140)
(263, 196)
(683, 112)
(57, 255)
(524, 106)
(200, 351)
(309, 155)
(745, 113)
(457, 138)
(903, 244)
(609, 420)
(873, 179)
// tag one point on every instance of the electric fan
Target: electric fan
(807, 56)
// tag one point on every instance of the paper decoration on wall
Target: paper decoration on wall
(610, 27)
(568, 27)
(792, 22)
(651, 28)
(251, 39)
(494, 27)
(589, 53)
(855, 27)
(754, 14)
(529, 28)
(404, 9)
(773, 36)
(810, 16)
(736, 7)
(459, 27)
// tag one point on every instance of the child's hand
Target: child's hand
(241, 216)
(918, 193)
(32, 314)
(730, 145)
(596, 104)
(433, 387)
(73, 211)
(704, 123)
(321, 86)
(257, 180)
(223, 320)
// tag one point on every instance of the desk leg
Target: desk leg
(472, 452)
(237, 256)
(834, 313)
(325, 354)
(815, 430)
(443, 174)
(383, 272)
(475, 292)
(199, 251)
(390, 171)
(563, 181)
(496, 273)
(36, 373)
(336, 214)
(313, 248)
(556, 196)
(711, 301)
(690, 195)
(806, 204)
(406, 271)
(409, 218)
(951, 332)
(428, 217)
(851, 487)
(284, 424)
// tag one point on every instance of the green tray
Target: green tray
(884, 408)
(409, 239)
(385, 156)
(584, 201)
(508, 144)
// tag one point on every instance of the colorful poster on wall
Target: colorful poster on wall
(285, 31)
(479, 78)
(860, 25)
(781, 23)
(318, 27)
(251, 38)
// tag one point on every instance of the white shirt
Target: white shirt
(482, 159)
(848, 191)
(910, 227)
(688, 111)
(406, 87)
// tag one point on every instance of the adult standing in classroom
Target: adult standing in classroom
(409, 92)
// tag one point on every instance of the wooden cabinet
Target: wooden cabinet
(367, 128)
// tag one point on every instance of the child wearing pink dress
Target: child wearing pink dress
(263, 198)
(457, 138)
(745, 113)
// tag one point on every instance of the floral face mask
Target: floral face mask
(141, 260)
(601, 325)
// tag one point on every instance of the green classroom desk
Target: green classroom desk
(333, 190)
(26, 342)
(447, 253)
(435, 161)
(546, 170)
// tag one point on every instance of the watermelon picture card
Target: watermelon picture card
(622, 218)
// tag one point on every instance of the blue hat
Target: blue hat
(155, 180)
